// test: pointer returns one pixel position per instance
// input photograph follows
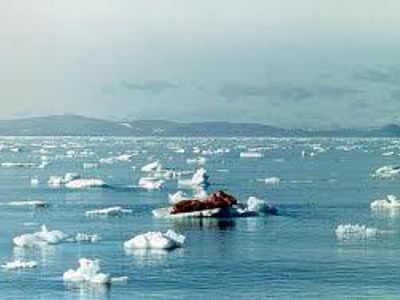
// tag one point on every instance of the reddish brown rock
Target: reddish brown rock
(218, 199)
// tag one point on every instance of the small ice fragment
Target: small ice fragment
(156, 240)
(88, 272)
(19, 264)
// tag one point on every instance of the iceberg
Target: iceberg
(156, 240)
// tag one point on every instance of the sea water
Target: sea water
(322, 184)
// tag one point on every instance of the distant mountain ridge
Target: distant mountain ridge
(71, 125)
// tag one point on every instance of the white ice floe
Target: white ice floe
(19, 165)
(88, 272)
(390, 202)
(156, 240)
(255, 204)
(57, 181)
(198, 160)
(350, 231)
(387, 171)
(151, 183)
(31, 203)
(389, 153)
(85, 183)
(43, 237)
(109, 211)
(52, 237)
(34, 182)
(87, 238)
(200, 178)
(19, 264)
(90, 165)
(152, 167)
(272, 181)
(251, 154)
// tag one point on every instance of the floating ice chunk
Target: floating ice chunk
(34, 182)
(55, 181)
(85, 183)
(200, 194)
(88, 272)
(43, 237)
(120, 279)
(19, 165)
(19, 264)
(151, 183)
(152, 167)
(87, 238)
(272, 181)
(125, 157)
(71, 176)
(389, 203)
(199, 160)
(200, 178)
(33, 203)
(156, 240)
(349, 231)
(389, 153)
(109, 211)
(387, 171)
(251, 154)
(257, 205)
(90, 165)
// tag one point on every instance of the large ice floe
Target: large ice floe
(89, 272)
(115, 211)
(156, 240)
(73, 181)
(391, 202)
(19, 264)
(356, 231)
(51, 237)
(219, 204)
(200, 179)
(389, 171)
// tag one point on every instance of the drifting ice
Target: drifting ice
(388, 203)
(88, 272)
(200, 178)
(19, 264)
(156, 240)
(109, 211)
(349, 231)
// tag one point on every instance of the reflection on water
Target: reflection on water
(183, 224)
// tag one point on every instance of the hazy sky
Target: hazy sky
(288, 63)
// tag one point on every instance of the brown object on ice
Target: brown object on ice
(218, 199)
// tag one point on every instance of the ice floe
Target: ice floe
(109, 211)
(272, 181)
(390, 202)
(85, 183)
(152, 167)
(389, 171)
(52, 237)
(19, 264)
(151, 183)
(200, 178)
(251, 154)
(31, 203)
(350, 231)
(87, 272)
(156, 240)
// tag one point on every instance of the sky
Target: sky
(288, 63)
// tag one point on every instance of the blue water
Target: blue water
(293, 255)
